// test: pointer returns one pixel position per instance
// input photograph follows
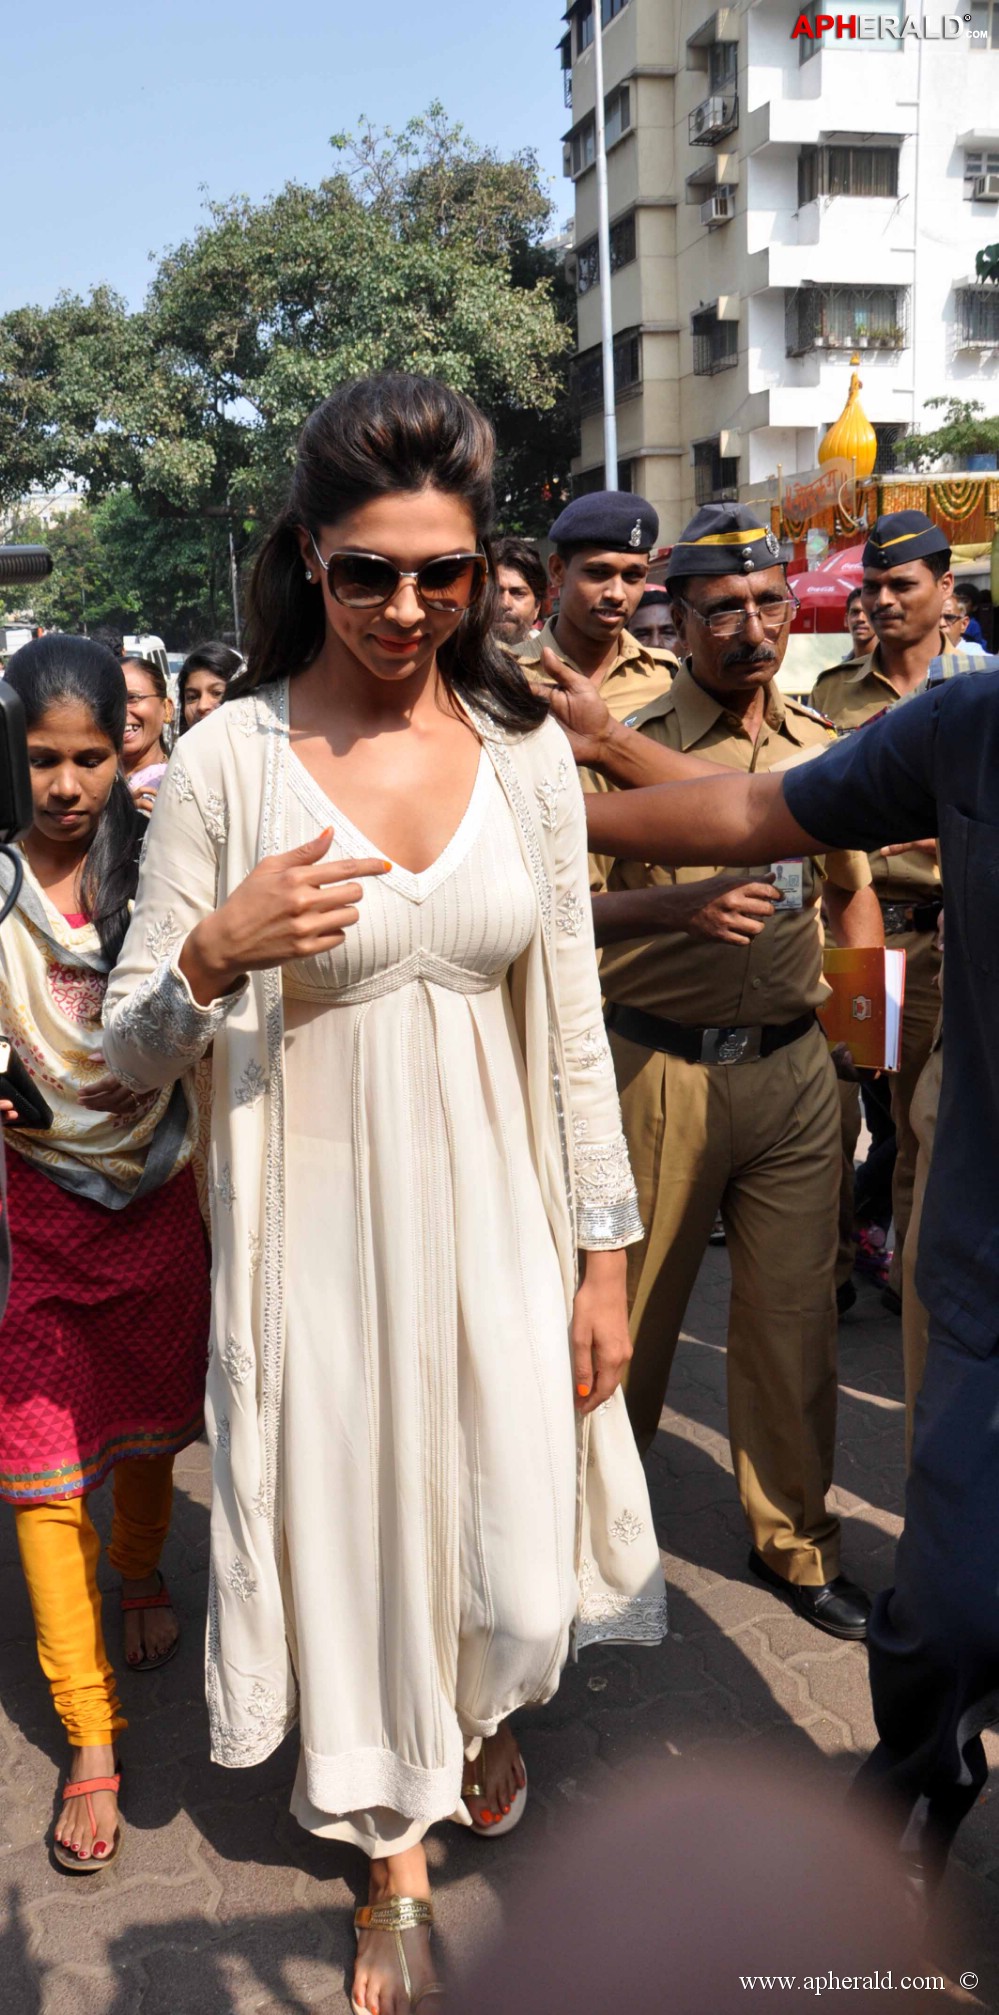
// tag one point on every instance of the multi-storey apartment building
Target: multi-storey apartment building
(777, 203)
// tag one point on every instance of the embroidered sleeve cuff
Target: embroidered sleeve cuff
(163, 1017)
(607, 1214)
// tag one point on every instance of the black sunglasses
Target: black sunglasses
(367, 580)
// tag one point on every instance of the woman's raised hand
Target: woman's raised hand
(292, 906)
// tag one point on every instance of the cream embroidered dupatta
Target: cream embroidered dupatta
(220, 810)
(53, 976)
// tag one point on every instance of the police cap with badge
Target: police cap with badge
(615, 521)
(901, 536)
(725, 539)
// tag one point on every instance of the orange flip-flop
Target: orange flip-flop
(90, 1864)
(162, 1600)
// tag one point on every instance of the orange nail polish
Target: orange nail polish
(386, 864)
(583, 1391)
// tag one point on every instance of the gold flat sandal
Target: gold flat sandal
(398, 1914)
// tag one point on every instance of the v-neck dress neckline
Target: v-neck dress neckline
(351, 840)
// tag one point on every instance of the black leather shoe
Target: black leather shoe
(846, 1296)
(839, 1606)
(891, 1301)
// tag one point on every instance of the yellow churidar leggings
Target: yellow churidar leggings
(59, 1552)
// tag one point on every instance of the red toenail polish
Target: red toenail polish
(100, 1846)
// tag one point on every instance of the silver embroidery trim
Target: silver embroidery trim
(570, 915)
(162, 935)
(180, 783)
(624, 1619)
(604, 1227)
(215, 814)
(160, 1015)
(240, 1580)
(548, 794)
(223, 1434)
(603, 1171)
(238, 1360)
(224, 1188)
(251, 1084)
(627, 1527)
(592, 1051)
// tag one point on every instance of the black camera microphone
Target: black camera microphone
(24, 563)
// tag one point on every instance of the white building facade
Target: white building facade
(777, 204)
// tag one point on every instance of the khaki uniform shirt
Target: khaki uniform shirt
(778, 975)
(849, 695)
(638, 676)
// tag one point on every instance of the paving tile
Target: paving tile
(221, 1905)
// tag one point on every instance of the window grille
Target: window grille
(845, 318)
(716, 344)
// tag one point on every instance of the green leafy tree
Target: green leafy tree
(965, 430)
(421, 252)
(118, 564)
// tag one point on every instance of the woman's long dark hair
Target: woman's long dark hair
(370, 438)
(219, 659)
(46, 673)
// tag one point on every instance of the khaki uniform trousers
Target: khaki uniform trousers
(761, 1142)
(850, 1122)
(920, 1014)
(915, 1319)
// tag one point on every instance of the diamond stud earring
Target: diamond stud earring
(308, 573)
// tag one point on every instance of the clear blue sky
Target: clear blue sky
(116, 113)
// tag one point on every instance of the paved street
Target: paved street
(220, 1905)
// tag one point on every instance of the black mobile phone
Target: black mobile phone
(22, 1092)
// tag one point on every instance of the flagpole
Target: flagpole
(603, 246)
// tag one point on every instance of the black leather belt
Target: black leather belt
(704, 1045)
(910, 916)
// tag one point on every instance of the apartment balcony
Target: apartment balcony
(834, 262)
(791, 122)
(713, 118)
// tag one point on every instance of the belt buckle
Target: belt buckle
(730, 1045)
(896, 917)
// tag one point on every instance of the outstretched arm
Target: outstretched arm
(599, 742)
(724, 817)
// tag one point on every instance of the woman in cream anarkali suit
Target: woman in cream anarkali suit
(415, 1132)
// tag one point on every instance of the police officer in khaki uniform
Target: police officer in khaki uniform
(599, 570)
(907, 581)
(727, 1089)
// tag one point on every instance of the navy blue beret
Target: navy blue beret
(615, 520)
(724, 539)
(901, 536)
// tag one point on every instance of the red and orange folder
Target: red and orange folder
(864, 1010)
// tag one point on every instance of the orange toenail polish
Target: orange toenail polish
(487, 1816)
(583, 1391)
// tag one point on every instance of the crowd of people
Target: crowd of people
(427, 978)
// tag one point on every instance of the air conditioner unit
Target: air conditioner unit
(718, 208)
(986, 189)
(709, 115)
